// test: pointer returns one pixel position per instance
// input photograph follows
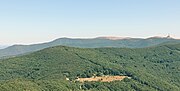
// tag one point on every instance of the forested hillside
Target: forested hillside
(151, 69)
(87, 43)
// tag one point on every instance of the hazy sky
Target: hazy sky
(33, 21)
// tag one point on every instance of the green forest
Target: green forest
(154, 68)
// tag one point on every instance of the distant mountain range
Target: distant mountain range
(88, 43)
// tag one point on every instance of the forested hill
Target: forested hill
(151, 69)
(87, 43)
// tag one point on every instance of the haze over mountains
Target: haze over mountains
(88, 43)
(3, 46)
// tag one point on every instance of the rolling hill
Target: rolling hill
(151, 69)
(87, 43)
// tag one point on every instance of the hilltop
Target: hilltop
(152, 68)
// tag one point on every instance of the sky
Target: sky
(36, 21)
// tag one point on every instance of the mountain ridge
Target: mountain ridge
(86, 43)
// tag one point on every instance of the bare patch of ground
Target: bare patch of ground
(102, 79)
